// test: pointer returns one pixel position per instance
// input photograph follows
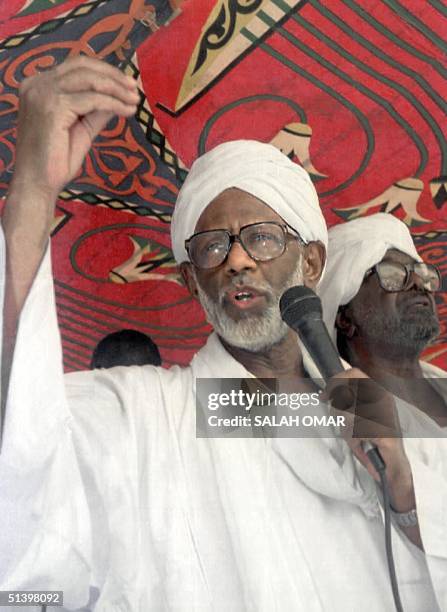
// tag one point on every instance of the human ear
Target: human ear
(314, 258)
(187, 272)
(344, 323)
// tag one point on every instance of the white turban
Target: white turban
(258, 169)
(354, 248)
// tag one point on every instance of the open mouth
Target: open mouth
(245, 297)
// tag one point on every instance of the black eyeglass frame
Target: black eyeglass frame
(232, 238)
(409, 268)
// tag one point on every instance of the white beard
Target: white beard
(255, 333)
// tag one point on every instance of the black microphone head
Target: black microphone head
(298, 304)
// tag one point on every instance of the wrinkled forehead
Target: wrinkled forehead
(234, 208)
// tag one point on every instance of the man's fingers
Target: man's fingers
(78, 81)
(85, 103)
(341, 395)
(94, 122)
(373, 407)
(85, 63)
(371, 429)
(357, 448)
(77, 92)
(82, 135)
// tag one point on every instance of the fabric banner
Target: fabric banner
(353, 90)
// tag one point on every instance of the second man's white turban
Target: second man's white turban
(258, 169)
(354, 248)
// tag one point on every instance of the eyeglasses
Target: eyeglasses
(261, 241)
(395, 276)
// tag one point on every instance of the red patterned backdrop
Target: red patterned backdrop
(354, 90)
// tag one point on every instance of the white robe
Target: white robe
(107, 494)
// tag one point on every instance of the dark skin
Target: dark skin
(396, 366)
(61, 112)
(231, 210)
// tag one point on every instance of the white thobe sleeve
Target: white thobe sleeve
(45, 535)
(428, 459)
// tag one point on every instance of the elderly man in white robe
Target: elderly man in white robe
(105, 491)
(378, 302)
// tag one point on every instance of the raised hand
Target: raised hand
(61, 111)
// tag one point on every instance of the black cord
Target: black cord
(379, 465)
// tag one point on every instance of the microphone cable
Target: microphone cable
(380, 467)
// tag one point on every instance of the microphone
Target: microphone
(302, 311)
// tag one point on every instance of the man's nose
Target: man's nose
(238, 259)
(415, 282)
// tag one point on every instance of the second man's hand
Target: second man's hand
(371, 415)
